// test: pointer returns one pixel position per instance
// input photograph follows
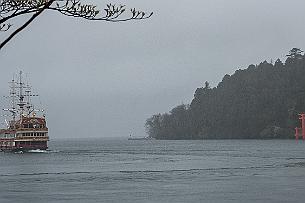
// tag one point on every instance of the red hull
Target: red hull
(23, 147)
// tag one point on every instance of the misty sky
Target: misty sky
(99, 79)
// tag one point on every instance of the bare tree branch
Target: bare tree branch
(25, 24)
(11, 9)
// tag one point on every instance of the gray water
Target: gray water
(118, 170)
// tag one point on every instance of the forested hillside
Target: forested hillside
(261, 101)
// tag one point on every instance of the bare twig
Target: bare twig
(25, 24)
(11, 9)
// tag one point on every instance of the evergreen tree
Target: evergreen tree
(259, 102)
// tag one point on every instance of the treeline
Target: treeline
(261, 101)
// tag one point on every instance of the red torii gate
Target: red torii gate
(302, 118)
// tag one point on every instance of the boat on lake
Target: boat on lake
(140, 138)
(26, 127)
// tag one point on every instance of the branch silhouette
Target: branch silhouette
(11, 9)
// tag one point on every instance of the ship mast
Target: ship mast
(12, 96)
(24, 104)
(13, 93)
(20, 98)
(21, 102)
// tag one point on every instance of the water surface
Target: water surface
(118, 170)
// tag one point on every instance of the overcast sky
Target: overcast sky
(99, 79)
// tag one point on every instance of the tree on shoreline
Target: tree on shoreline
(12, 9)
(261, 102)
(295, 53)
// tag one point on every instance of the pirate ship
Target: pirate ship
(26, 127)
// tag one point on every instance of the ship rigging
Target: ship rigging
(26, 128)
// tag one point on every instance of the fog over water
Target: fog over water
(102, 79)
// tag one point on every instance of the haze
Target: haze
(99, 79)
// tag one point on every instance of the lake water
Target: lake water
(118, 170)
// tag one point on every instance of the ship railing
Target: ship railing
(43, 138)
(33, 129)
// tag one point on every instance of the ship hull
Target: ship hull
(31, 146)
(25, 147)
(23, 140)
